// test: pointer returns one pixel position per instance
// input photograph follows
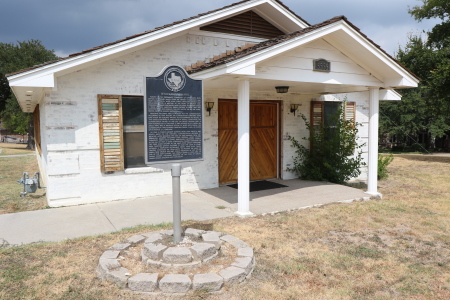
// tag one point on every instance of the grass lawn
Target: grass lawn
(394, 248)
(14, 149)
(11, 170)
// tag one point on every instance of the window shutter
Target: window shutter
(316, 114)
(111, 133)
(316, 118)
(350, 111)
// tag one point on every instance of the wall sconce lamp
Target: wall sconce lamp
(294, 108)
(209, 106)
(282, 89)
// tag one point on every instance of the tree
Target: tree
(439, 36)
(438, 78)
(425, 109)
(14, 57)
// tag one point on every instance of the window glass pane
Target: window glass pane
(330, 117)
(330, 110)
(133, 127)
(134, 149)
(133, 114)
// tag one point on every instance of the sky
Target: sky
(68, 26)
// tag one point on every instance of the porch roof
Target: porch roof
(243, 61)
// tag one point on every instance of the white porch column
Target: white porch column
(372, 180)
(244, 148)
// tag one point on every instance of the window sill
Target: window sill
(143, 170)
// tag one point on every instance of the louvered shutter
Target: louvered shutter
(316, 114)
(316, 118)
(350, 111)
(111, 133)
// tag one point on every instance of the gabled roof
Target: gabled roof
(149, 32)
(235, 55)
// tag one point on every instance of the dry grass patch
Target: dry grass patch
(11, 170)
(14, 149)
(394, 248)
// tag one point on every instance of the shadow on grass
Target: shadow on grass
(425, 157)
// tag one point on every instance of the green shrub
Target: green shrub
(332, 156)
(383, 162)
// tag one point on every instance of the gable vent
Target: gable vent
(321, 65)
(248, 24)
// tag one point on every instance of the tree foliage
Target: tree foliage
(14, 57)
(332, 157)
(439, 36)
(425, 109)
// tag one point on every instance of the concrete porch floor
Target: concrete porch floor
(297, 194)
(57, 224)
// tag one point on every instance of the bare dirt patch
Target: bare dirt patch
(132, 260)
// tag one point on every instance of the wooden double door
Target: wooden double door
(263, 140)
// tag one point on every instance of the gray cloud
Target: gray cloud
(72, 26)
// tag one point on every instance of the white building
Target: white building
(241, 52)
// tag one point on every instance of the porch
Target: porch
(296, 195)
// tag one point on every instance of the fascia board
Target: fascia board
(379, 54)
(135, 42)
(288, 14)
(248, 70)
(45, 80)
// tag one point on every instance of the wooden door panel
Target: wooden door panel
(263, 141)
(228, 140)
(228, 168)
(263, 154)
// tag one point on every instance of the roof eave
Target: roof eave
(141, 39)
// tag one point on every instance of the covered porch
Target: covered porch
(247, 89)
(334, 59)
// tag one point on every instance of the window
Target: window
(322, 112)
(133, 131)
(121, 125)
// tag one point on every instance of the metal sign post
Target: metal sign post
(176, 194)
(173, 128)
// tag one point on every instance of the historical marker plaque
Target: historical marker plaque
(174, 117)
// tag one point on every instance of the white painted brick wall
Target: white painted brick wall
(69, 125)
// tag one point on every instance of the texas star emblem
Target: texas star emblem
(174, 79)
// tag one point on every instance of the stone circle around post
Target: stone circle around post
(203, 260)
